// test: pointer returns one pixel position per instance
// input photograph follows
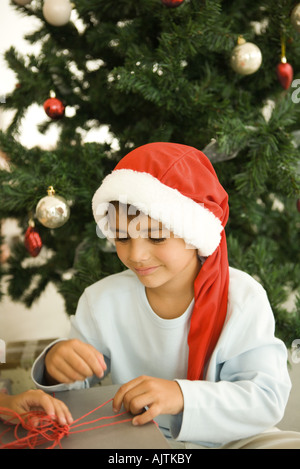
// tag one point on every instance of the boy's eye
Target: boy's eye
(157, 240)
(121, 240)
(153, 240)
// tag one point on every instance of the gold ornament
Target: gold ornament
(295, 17)
(53, 210)
(246, 57)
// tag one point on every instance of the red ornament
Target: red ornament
(298, 205)
(54, 108)
(285, 74)
(33, 242)
(172, 3)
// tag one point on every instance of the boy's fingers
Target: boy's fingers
(65, 372)
(74, 360)
(92, 361)
(123, 390)
(146, 416)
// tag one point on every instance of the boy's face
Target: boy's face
(152, 252)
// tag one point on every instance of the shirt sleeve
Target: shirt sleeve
(248, 389)
(82, 328)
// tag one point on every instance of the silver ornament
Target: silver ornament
(215, 155)
(57, 12)
(53, 210)
(246, 58)
(295, 17)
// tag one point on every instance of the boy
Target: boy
(188, 338)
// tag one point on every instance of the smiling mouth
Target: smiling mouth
(145, 270)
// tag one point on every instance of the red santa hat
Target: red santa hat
(177, 185)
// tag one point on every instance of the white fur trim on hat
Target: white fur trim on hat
(181, 215)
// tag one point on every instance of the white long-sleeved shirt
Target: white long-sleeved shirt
(247, 385)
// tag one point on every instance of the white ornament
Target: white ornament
(57, 12)
(53, 210)
(295, 17)
(246, 58)
(22, 2)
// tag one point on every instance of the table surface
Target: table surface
(120, 436)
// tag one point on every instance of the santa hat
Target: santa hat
(177, 185)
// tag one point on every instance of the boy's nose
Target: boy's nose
(138, 251)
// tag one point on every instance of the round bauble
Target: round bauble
(246, 58)
(54, 108)
(57, 12)
(295, 17)
(53, 210)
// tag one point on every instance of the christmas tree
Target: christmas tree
(157, 70)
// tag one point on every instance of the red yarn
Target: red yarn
(42, 428)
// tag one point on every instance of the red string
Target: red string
(42, 428)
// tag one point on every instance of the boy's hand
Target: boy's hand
(73, 360)
(161, 396)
